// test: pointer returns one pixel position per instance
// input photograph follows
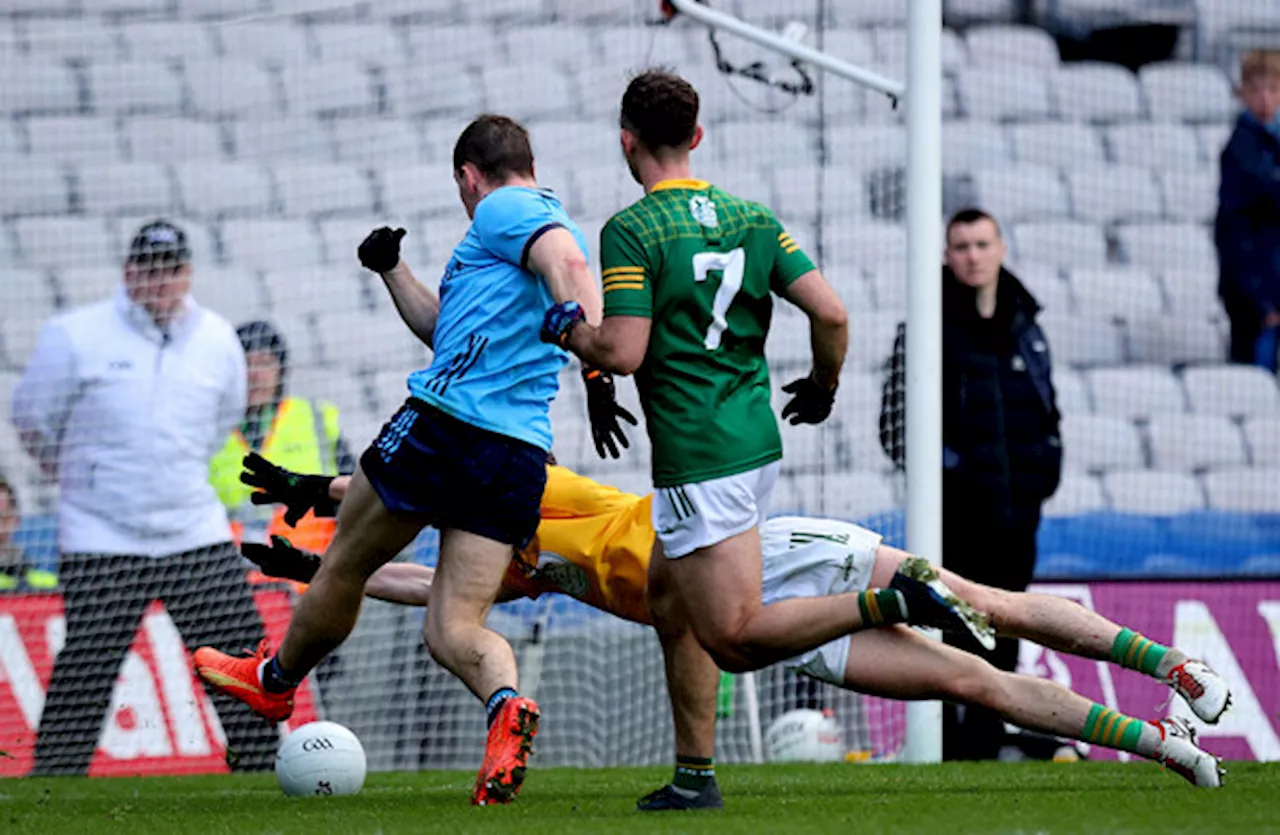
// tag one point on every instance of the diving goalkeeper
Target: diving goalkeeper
(595, 543)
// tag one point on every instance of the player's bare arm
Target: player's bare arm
(828, 324)
(618, 345)
(417, 304)
(556, 256)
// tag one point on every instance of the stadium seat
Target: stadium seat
(272, 43)
(344, 390)
(361, 341)
(1159, 146)
(868, 13)
(318, 289)
(1136, 392)
(44, 242)
(1098, 93)
(1045, 283)
(1061, 244)
(1152, 493)
(857, 495)
(528, 91)
(1077, 341)
(1171, 340)
(853, 147)
(441, 235)
(234, 293)
(215, 189)
(1251, 490)
(1213, 138)
(28, 292)
(802, 447)
(1189, 443)
(1100, 443)
(410, 190)
(1057, 145)
(783, 142)
(573, 143)
(62, 40)
(871, 242)
(796, 192)
(422, 90)
(225, 88)
(1192, 293)
(562, 44)
(342, 235)
(1000, 47)
(416, 11)
(891, 50)
(125, 187)
(1116, 293)
(376, 142)
(1185, 92)
(17, 337)
(271, 244)
(972, 145)
(32, 87)
(304, 344)
(1018, 193)
(293, 139)
(323, 190)
(216, 9)
(1232, 391)
(35, 188)
(85, 285)
(132, 87)
(1070, 391)
(332, 88)
(367, 43)
(73, 139)
(859, 398)
(1190, 195)
(1262, 434)
(508, 12)
(1077, 493)
(857, 46)
(167, 140)
(871, 338)
(166, 40)
(438, 47)
(998, 96)
(787, 347)
(1168, 246)
(390, 389)
(1108, 193)
(888, 285)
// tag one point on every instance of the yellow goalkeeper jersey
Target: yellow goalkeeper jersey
(594, 544)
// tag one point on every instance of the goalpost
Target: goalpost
(922, 93)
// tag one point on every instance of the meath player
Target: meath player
(594, 543)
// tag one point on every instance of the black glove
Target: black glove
(276, 485)
(812, 401)
(604, 411)
(380, 251)
(281, 559)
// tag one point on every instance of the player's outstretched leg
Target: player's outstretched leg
(1066, 626)
(897, 663)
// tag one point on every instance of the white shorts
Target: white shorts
(812, 558)
(694, 516)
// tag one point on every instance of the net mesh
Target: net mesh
(278, 132)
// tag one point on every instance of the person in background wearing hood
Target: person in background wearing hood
(292, 432)
(16, 573)
(1002, 452)
(1247, 228)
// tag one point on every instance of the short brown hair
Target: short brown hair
(661, 109)
(968, 215)
(497, 146)
(1259, 62)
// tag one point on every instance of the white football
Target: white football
(800, 736)
(320, 758)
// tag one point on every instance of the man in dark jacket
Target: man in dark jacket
(1002, 455)
(1247, 229)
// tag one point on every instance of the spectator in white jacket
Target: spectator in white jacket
(126, 401)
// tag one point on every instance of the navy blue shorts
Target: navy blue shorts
(427, 463)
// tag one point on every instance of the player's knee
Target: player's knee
(974, 683)
(728, 651)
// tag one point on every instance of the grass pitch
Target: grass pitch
(978, 797)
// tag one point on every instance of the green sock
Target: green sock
(1137, 653)
(882, 606)
(693, 773)
(1115, 730)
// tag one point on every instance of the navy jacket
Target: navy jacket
(1247, 228)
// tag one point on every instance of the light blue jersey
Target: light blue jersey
(490, 368)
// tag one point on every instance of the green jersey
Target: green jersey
(701, 264)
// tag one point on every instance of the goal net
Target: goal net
(277, 133)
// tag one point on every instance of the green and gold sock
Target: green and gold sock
(1135, 652)
(882, 606)
(693, 773)
(1105, 726)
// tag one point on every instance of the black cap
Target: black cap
(160, 244)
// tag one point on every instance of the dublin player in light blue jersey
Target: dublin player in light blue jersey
(465, 454)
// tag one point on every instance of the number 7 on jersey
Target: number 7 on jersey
(732, 266)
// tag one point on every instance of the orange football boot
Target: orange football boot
(238, 678)
(507, 752)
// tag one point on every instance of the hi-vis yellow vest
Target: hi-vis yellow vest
(303, 438)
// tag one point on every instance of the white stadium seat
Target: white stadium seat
(528, 91)
(134, 87)
(1109, 193)
(503, 12)
(787, 143)
(223, 88)
(377, 142)
(1097, 92)
(361, 341)
(391, 388)
(1167, 245)
(47, 242)
(1159, 146)
(889, 285)
(1018, 193)
(271, 244)
(1100, 443)
(444, 46)
(1069, 389)
(787, 347)
(214, 189)
(29, 292)
(323, 189)
(796, 187)
(868, 12)
(422, 90)
(1081, 341)
(1213, 138)
(86, 285)
(864, 148)
(17, 337)
(61, 40)
(1076, 494)
(1116, 293)
(856, 495)
(891, 48)
(1190, 195)
(1057, 145)
(163, 40)
(367, 43)
(1136, 392)
(1173, 340)
(1011, 48)
(1250, 490)
(1232, 391)
(234, 293)
(125, 187)
(562, 44)
(167, 140)
(74, 138)
(1190, 443)
(217, 9)
(573, 143)
(317, 289)
(870, 242)
(1152, 493)
(333, 88)
(973, 145)
(33, 187)
(1178, 92)
(409, 190)
(1001, 96)
(32, 86)
(342, 389)
(871, 338)
(272, 43)
(293, 139)
(857, 46)
(1262, 434)
(1061, 243)
(1192, 292)
(304, 344)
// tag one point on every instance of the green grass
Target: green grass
(847, 799)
